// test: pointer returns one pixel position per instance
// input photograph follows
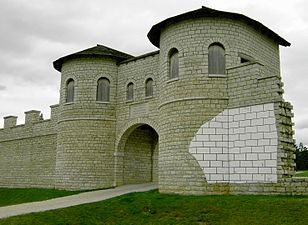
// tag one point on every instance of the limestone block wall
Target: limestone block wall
(250, 83)
(85, 159)
(286, 148)
(86, 127)
(196, 97)
(142, 110)
(137, 71)
(238, 146)
(28, 152)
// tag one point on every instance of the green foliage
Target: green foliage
(12, 196)
(154, 208)
(301, 157)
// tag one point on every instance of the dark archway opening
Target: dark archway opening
(140, 156)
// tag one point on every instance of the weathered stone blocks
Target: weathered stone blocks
(199, 133)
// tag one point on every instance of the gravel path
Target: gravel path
(82, 198)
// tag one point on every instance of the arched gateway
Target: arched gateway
(136, 158)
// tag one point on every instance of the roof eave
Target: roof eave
(118, 56)
(154, 33)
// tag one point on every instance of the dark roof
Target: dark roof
(95, 52)
(154, 33)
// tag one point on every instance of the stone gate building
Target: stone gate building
(203, 115)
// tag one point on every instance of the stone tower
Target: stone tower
(203, 108)
(86, 128)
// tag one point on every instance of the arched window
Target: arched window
(173, 63)
(130, 92)
(70, 90)
(149, 87)
(217, 62)
(103, 90)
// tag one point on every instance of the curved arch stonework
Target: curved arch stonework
(135, 146)
(224, 42)
(131, 125)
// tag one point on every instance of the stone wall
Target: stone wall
(142, 110)
(238, 146)
(289, 186)
(137, 71)
(86, 127)
(28, 152)
(196, 97)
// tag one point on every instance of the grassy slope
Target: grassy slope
(302, 174)
(12, 196)
(154, 208)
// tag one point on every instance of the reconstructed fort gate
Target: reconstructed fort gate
(203, 115)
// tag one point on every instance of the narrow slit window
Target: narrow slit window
(174, 64)
(70, 91)
(149, 87)
(244, 58)
(130, 92)
(217, 62)
(103, 90)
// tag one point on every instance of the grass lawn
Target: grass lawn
(154, 208)
(303, 173)
(12, 196)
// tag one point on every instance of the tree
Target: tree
(301, 157)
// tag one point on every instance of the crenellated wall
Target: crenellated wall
(28, 151)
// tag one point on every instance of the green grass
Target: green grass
(12, 196)
(154, 208)
(303, 173)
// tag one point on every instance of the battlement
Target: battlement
(10, 121)
(31, 117)
(34, 127)
(33, 141)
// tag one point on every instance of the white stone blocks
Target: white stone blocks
(223, 170)
(222, 157)
(249, 116)
(252, 156)
(238, 146)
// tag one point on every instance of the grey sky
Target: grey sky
(34, 33)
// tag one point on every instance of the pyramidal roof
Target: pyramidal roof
(205, 12)
(94, 52)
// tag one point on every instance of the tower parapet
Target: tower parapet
(32, 116)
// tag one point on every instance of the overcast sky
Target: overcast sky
(34, 33)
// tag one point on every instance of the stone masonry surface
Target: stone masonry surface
(198, 133)
(238, 146)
